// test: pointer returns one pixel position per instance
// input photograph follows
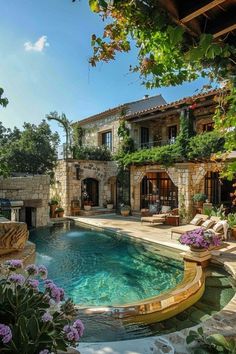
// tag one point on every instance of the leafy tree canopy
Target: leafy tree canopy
(167, 55)
(32, 150)
(3, 100)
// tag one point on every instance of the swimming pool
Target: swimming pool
(99, 269)
(78, 257)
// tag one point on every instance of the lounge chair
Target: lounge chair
(156, 218)
(195, 223)
(160, 218)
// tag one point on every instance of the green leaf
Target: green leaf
(94, 5)
(33, 326)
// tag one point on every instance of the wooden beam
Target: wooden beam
(224, 31)
(199, 11)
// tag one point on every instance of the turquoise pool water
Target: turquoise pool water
(98, 269)
(95, 268)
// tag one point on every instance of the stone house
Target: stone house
(152, 123)
(28, 198)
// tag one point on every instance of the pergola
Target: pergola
(216, 17)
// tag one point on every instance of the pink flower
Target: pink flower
(79, 326)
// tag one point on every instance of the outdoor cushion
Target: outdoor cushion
(165, 209)
(196, 220)
(152, 208)
(208, 223)
(218, 226)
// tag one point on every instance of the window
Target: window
(107, 139)
(172, 133)
(208, 127)
(144, 137)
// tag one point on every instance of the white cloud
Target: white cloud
(38, 46)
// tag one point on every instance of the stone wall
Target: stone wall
(32, 190)
(94, 130)
(68, 187)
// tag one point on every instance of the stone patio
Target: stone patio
(223, 322)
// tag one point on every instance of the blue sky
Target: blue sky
(53, 74)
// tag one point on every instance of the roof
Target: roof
(175, 104)
(130, 108)
(216, 17)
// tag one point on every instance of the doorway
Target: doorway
(90, 191)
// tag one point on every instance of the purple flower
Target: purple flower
(47, 317)
(14, 264)
(42, 271)
(200, 238)
(33, 283)
(71, 333)
(57, 294)
(17, 278)
(32, 269)
(5, 333)
(79, 326)
(45, 351)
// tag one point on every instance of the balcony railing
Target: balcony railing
(158, 143)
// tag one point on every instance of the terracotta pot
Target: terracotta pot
(125, 212)
(234, 233)
(52, 210)
(60, 214)
(199, 252)
(87, 207)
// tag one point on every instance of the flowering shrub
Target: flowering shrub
(200, 238)
(33, 321)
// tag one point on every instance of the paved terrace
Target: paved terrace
(132, 226)
(223, 322)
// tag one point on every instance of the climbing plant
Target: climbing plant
(126, 142)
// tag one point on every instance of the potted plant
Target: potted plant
(200, 240)
(59, 212)
(53, 203)
(110, 204)
(199, 199)
(231, 219)
(87, 205)
(125, 209)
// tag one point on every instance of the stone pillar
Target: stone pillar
(15, 216)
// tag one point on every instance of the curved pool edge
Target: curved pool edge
(163, 306)
(223, 322)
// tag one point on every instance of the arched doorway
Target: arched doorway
(90, 191)
(158, 189)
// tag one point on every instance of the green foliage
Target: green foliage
(3, 100)
(199, 197)
(202, 146)
(97, 153)
(231, 219)
(186, 131)
(35, 323)
(214, 343)
(126, 145)
(219, 212)
(195, 148)
(32, 150)
(165, 155)
(166, 55)
(66, 125)
(78, 133)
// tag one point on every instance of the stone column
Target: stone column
(15, 216)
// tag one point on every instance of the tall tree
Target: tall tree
(32, 150)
